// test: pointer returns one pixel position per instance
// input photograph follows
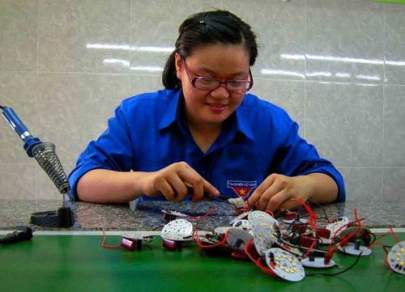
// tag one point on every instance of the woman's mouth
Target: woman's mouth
(217, 108)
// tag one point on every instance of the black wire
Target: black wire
(24, 233)
(338, 272)
(373, 238)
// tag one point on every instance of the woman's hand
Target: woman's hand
(279, 192)
(175, 181)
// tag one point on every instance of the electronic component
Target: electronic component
(284, 265)
(396, 258)
(355, 248)
(355, 240)
(175, 233)
(132, 242)
(221, 229)
(317, 262)
(335, 228)
(238, 203)
(264, 230)
(237, 238)
(241, 216)
(169, 215)
(242, 224)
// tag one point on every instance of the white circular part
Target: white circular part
(178, 230)
(284, 265)
(260, 216)
(318, 263)
(237, 238)
(242, 224)
(221, 229)
(351, 249)
(396, 258)
(264, 230)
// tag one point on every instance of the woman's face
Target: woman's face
(218, 61)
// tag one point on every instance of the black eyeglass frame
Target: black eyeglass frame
(196, 77)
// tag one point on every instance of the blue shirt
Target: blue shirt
(149, 132)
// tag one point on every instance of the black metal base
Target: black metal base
(63, 217)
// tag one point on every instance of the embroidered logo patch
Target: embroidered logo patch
(240, 187)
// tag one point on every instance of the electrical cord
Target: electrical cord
(25, 233)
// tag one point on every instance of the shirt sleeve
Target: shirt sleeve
(112, 150)
(297, 157)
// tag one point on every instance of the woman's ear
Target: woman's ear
(178, 61)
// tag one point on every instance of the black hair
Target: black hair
(210, 27)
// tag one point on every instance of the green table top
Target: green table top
(78, 263)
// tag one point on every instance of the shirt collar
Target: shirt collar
(173, 112)
(243, 124)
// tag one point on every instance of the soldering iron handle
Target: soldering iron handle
(22, 131)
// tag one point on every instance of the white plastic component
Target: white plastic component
(304, 220)
(261, 216)
(178, 230)
(396, 258)
(351, 249)
(135, 236)
(264, 230)
(242, 224)
(317, 262)
(221, 229)
(237, 202)
(289, 248)
(174, 213)
(337, 227)
(288, 221)
(207, 237)
(244, 215)
(237, 238)
(284, 265)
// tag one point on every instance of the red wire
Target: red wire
(256, 259)
(206, 245)
(393, 234)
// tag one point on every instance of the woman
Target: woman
(205, 135)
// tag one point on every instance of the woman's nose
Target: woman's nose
(220, 92)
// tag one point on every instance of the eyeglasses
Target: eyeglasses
(207, 83)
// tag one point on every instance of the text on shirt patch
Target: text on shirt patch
(240, 187)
